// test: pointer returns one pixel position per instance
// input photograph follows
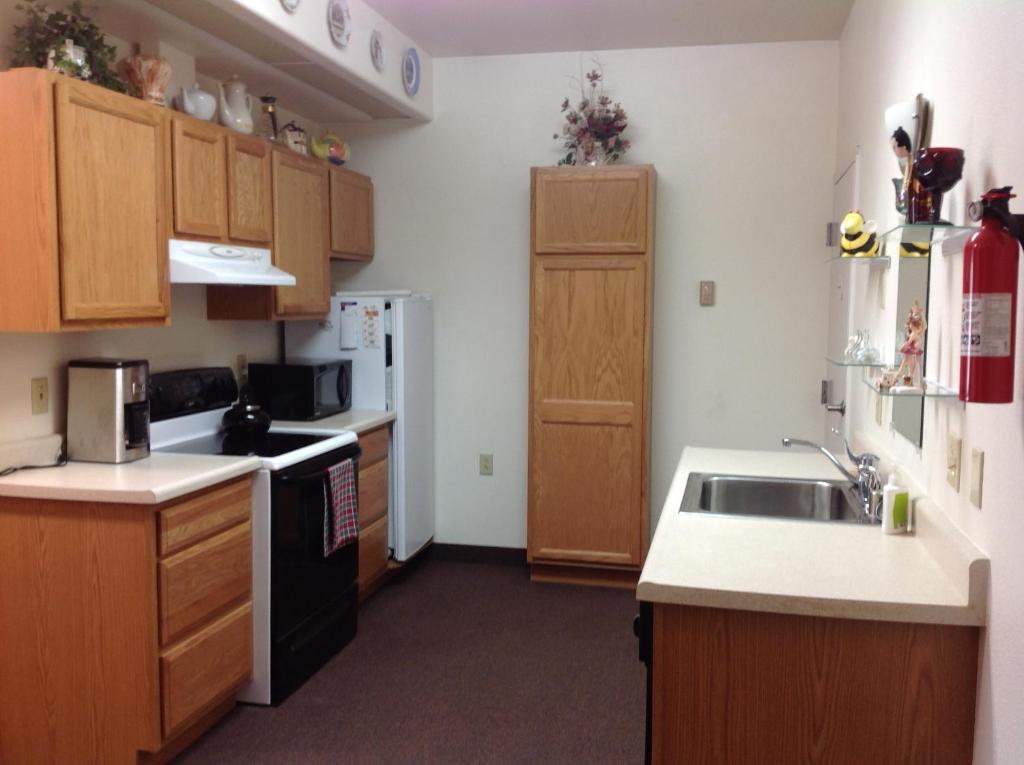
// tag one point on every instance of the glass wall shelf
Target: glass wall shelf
(954, 237)
(879, 261)
(931, 390)
(848, 363)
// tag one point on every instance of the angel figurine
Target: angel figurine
(908, 376)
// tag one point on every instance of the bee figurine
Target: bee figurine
(859, 240)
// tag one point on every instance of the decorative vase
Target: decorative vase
(147, 76)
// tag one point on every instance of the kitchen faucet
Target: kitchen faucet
(867, 479)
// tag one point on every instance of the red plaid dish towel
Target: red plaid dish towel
(341, 507)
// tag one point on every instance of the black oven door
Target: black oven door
(302, 580)
(313, 599)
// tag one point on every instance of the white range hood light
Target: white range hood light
(211, 263)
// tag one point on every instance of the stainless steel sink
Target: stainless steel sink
(797, 498)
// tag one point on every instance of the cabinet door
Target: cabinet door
(249, 210)
(586, 459)
(300, 234)
(200, 178)
(112, 182)
(588, 210)
(351, 215)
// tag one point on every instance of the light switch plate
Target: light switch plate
(707, 293)
(953, 451)
(486, 464)
(242, 367)
(40, 395)
(977, 476)
(878, 411)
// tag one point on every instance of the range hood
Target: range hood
(212, 263)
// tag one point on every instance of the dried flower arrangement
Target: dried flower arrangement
(592, 132)
(43, 37)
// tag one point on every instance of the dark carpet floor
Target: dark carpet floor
(460, 663)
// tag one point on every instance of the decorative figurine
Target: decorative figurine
(907, 124)
(908, 376)
(200, 104)
(147, 77)
(330, 147)
(295, 138)
(268, 125)
(859, 239)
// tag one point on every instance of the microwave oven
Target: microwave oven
(308, 390)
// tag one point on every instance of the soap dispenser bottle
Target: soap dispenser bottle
(895, 508)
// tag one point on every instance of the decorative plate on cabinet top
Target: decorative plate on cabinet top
(339, 22)
(411, 72)
(377, 50)
(290, 5)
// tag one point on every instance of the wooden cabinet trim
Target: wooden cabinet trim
(203, 515)
(373, 493)
(586, 406)
(192, 184)
(312, 299)
(351, 215)
(731, 686)
(261, 229)
(374, 445)
(204, 579)
(76, 234)
(198, 672)
(373, 555)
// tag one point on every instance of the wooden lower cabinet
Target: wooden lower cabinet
(373, 510)
(126, 630)
(750, 688)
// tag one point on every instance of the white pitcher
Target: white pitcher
(197, 102)
(235, 106)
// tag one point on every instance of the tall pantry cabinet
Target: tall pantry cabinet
(591, 271)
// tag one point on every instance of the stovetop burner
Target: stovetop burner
(270, 445)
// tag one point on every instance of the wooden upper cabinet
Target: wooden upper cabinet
(351, 215)
(250, 215)
(582, 210)
(84, 206)
(300, 234)
(200, 178)
(113, 184)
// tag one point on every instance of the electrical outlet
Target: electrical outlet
(977, 476)
(953, 449)
(242, 367)
(707, 293)
(40, 395)
(486, 464)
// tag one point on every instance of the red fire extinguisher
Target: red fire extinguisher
(989, 318)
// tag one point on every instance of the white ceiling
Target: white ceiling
(490, 27)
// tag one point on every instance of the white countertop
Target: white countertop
(155, 479)
(934, 575)
(358, 420)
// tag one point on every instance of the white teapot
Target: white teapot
(196, 102)
(235, 106)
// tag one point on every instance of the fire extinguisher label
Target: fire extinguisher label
(985, 325)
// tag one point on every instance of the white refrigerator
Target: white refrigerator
(389, 336)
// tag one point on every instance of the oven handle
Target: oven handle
(321, 474)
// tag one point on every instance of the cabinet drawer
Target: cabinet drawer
(203, 515)
(197, 583)
(374, 445)
(373, 552)
(373, 493)
(200, 671)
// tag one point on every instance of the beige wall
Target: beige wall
(965, 57)
(743, 141)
